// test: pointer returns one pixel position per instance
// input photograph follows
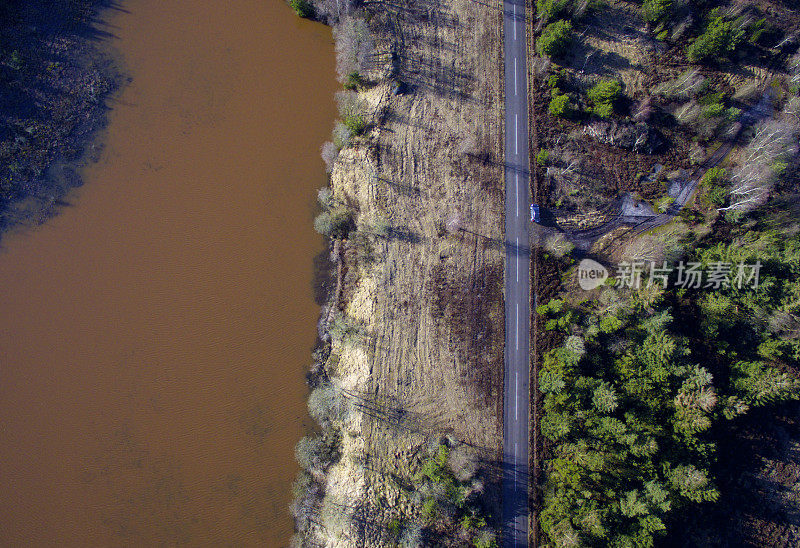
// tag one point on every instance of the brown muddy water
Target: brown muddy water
(155, 334)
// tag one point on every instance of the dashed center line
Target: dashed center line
(516, 134)
(514, 427)
(514, 22)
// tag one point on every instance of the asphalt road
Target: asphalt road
(517, 284)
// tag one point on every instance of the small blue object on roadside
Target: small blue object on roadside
(534, 213)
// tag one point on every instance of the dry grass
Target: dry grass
(430, 304)
(615, 45)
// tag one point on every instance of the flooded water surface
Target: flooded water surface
(155, 333)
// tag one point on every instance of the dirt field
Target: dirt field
(428, 358)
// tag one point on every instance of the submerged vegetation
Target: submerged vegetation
(54, 85)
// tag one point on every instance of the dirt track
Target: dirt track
(638, 223)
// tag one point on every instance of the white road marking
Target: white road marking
(515, 474)
(514, 22)
(518, 519)
(515, 75)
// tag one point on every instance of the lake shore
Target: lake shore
(407, 388)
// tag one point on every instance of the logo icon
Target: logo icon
(591, 274)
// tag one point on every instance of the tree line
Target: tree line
(638, 393)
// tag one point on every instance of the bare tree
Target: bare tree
(332, 11)
(349, 104)
(541, 66)
(763, 160)
(558, 245)
(688, 113)
(325, 198)
(643, 110)
(329, 154)
(354, 47)
(685, 85)
(748, 92)
(468, 145)
(697, 153)
(453, 224)
(342, 137)
(794, 69)
(328, 405)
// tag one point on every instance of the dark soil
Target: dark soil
(758, 475)
(472, 309)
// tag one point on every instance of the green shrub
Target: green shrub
(757, 31)
(732, 114)
(556, 306)
(610, 324)
(714, 176)
(634, 427)
(606, 91)
(486, 539)
(356, 124)
(302, 8)
(430, 509)
(713, 110)
(718, 196)
(603, 95)
(663, 203)
(542, 156)
(715, 181)
(350, 109)
(721, 38)
(555, 39)
(394, 527)
(656, 10)
(334, 223)
(553, 9)
(354, 81)
(559, 106)
(713, 105)
(604, 110)
(15, 61)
